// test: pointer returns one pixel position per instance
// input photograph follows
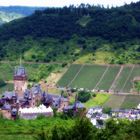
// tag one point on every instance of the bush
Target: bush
(2, 83)
(107, 110)
(64, 64)
(93, 95)
(84, 96)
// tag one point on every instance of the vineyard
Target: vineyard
(117, 78)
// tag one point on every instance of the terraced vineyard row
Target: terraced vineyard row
(123, 101)
(100, 77)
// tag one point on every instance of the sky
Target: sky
(61, 3)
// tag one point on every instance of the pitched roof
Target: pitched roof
(20, 71)
(36, 89)
(6, 106)
(9, 94)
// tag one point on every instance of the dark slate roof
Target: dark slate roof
(77, 105)
(48, 98)
(27, 94)
(14, 110)
(9, 94)
(64, 99)
(36, 89)
(6, 106)
(20, 71)
(68, 107)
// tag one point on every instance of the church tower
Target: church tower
(20, 80)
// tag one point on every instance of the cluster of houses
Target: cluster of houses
(98, 117)
(130, 114)
(30, 103)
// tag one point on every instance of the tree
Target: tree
(107, 110)
(83, 96)
(137, 86)
(83, 130)
(2, 83)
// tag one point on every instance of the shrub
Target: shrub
(2, 83)
(107, 110)
(84, 96)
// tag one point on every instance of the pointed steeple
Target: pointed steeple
(20, 62)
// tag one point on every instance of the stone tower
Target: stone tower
(20, 80)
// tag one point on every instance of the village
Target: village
(29, 103)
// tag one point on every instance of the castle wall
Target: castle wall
(20, 85)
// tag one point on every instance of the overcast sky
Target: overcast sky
(60, 3)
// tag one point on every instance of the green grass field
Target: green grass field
(29, 129)
(131, 101)
(7, 87)
(18, 137)
(115, 101)
(99, 77)
(99, 100)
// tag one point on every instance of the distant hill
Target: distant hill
(7, 17)
(9, 13)
(82, 34)
(23, 10)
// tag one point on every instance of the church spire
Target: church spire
(20, 61)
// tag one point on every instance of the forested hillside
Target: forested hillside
(75, 34)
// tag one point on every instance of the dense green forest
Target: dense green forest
(70, 33)
(58, 128)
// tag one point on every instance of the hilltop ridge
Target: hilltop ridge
(85, 33)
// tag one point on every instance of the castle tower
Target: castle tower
(20, 79)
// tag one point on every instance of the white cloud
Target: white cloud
(60, 3)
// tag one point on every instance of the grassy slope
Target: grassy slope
(123, 101)
(99, 100)
(24, 129)
(8, 86)
(115, 101)
(131, 101)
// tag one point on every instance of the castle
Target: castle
(28, 103)
(23, 98)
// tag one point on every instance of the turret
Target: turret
(20, 79)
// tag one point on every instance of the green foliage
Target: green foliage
(69, 129)
(83, 96)
(2, 83)
(107, 110)
(137, 86)
(99, 100)
(72, 32)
